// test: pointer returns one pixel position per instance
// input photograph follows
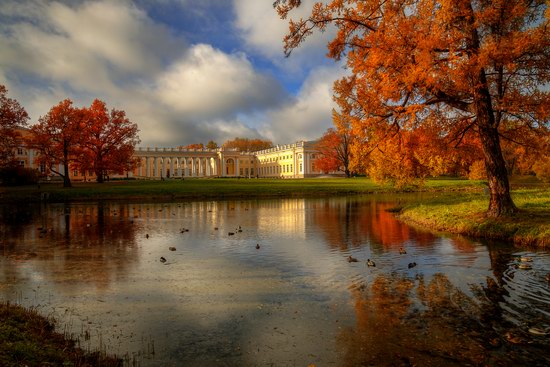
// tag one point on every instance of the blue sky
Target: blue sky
(186, 71)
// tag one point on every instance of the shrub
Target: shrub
(477, 171)
(542, 169)
(18, 176)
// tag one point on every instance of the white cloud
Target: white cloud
(208, 83)
(263, 31)
(310, 114)
(176, 92)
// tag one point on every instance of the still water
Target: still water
(294, 301)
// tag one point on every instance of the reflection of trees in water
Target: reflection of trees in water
(76, 243)
(353, 222)
(405, 322)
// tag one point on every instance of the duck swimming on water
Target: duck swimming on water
(402, 251)
(352, 259)
(370, 263)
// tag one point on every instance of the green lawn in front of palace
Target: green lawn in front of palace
(218, 188)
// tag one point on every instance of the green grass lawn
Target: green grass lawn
(215, 188)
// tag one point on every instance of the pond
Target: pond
(269, 283)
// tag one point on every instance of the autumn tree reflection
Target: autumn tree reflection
(101, 237)
(404, 322)
(354, 223)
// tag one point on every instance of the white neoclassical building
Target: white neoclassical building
(282, 161)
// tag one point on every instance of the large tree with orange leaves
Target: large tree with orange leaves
(478, 65)
(108, 141)
(57, 137)
(12, 116)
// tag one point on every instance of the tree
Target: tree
(212, 145)
(199, 146)
(57, 137)
(480, 66)
(247, 145)
(335, 149)
(108, 142)
(12, 116)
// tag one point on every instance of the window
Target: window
(22, 163)
(42, 167)
(246, 171)
(252, 171)
(240, 171)
(301, 167)
(290, 167)
(20, 151)
(75, 173)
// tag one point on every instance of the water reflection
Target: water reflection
(294, 301)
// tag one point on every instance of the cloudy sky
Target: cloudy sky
(186, 71)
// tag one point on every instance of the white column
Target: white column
(180, 174)
(208, 166)
(172, 167)
(31, 158)
(223, 167)
(156, 167)
(236, 166)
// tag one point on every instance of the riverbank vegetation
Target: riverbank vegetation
(464, 213)
(29, 339)
(222, 188)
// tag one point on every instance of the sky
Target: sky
(186, 71)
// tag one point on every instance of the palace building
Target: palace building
(295, 160)
(282, 161)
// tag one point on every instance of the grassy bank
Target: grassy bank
(223, 188)
(464, 213)
(28, 339)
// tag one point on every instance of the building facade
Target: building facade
(282, 161)
(295, 160)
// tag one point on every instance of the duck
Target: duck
(257, 246)
(526, 259)
(524, 266)
(412, 265)
(230, 233)
(548, 277)
(352, 259)
(162, 259)
(172, 248)
(370, 262)
(402, 251)
(147, 235)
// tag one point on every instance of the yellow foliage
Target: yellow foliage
(542, 169)
(477, 171)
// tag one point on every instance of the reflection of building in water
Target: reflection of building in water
(285, 216)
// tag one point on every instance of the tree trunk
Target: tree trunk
(66, 177)
(99, 175)
(500, 202)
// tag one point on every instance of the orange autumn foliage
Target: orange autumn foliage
(57, 138)
(247, 145)
(334, 149)
(12, 115)
(463, 67)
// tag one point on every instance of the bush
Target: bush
(18, 176)
(542, 169)
(477, 171)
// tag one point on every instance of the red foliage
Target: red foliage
(12, 115)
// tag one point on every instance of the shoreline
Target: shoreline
(459, 210)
